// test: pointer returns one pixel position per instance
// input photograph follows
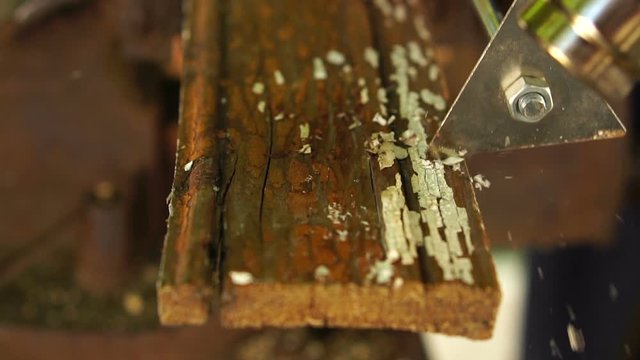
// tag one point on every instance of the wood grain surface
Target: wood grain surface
(305, 192)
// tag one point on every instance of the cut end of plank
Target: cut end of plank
(184, 304)
(451, 308)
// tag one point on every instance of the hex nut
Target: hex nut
(526, 88)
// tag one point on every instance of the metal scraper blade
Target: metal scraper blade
(479, 119)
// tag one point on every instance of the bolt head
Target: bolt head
(529, 99)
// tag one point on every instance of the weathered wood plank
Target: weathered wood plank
(318, 231)
(304, 128)
(185, 287)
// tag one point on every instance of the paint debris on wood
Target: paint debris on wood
(331, 208)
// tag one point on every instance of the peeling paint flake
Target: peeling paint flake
(439, 211)
(356, 123)
(364, 95)
(400, 13)
(379, 119)
(433, 99)
(336, 214)
(187, 166)
(384, 6)
(480, 182)
(382, 144)
(434, 71)
(261, 106)
(321, 273)
(382, 272)
(278, 77)
(335, 57)
(393, 203)
(421, 28)
(257, 88)
(371, 57)
(304, 131)
(241, 277)
(382, 96)
(416, 55)
(305, 149)
(319, 71)
(452, 160)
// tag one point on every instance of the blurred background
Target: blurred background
(89, 93)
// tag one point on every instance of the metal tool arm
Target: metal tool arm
(521, 96)
(596, 40)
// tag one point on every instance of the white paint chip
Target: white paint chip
(379, 119)
(305, 149)
(336, 214)
(261, 106)
(304, 131)
(480, 182)
(452, 160)
(384, 6)
(364, 95)
(258, 88)
(382, 272)
(382, 96)
(321, 273)
(335, 57)
(354, 124)
(400, 13)
(371, 57)
(409, 137)
(434, 71)
(433, 99)
(319, 71)
(241, 277)
(278, 77)
(421, 28)
(187, 166)
(416, 55)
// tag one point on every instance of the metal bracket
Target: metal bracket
(480, 119)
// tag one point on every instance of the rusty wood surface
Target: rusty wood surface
(329, 217)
